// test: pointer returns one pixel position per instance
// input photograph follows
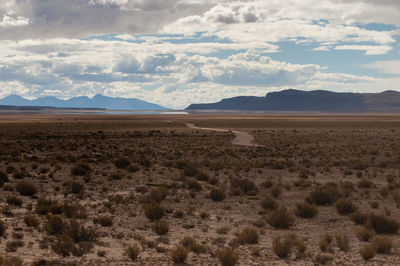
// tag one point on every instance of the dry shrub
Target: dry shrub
(160, 227)
(104, 220)
(179, 254)
(153, 212)
(132, 251)
(345, 206)
(192, 245)
(284, 246)
(26, 188)
(383, 224)
(343, 242)
(280, 218)
(268, 203)
(3, 228)
(122, 163)
(382, 244)
(365, 234)
(248, 236)
(13, 200)
(325, 242)
(367, 252)
(359, 218)
(306, 210)
(31, 220)
(244, 186)
(217, 194)
(324, 195)
(227, 256)
(81, 169)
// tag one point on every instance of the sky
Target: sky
(178, 52)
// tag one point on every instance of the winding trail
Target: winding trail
(241, 138)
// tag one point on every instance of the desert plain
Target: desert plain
(297, 189)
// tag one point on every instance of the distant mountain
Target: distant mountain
(309, 101)
(98, 101)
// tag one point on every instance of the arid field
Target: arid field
(149, 190)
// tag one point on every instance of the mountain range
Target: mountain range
(309, 101)
(98, 101)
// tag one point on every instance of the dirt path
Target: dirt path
(241, 138)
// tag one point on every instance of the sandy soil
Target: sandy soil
(88, 167)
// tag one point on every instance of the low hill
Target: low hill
(309, 101)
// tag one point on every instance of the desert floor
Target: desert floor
(162, 189)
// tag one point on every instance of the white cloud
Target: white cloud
(369, 49)
(11, 22)
(387, 67)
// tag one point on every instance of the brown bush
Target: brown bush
(248, 236)
(280, 218)
(367, 252)
(345, 206)
(306, 210)
(382, 244)
(227, 256)
(160, 227)
(179, 254)
(26, 188)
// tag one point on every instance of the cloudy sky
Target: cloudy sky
(177, 52)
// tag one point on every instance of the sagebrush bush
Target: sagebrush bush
(367, 251)
(160, 227)
(179, 254)
(345, 206)
(282, 247)
(55, 225)
(365, 234)
(227, 256)
(122, 163)
(324, 195)
(248, 235)
(325, 242)
(382, 244)
(81, 169)
(343, 242)
(244, 185)
(13, 200)
(153, 212)
(359, 217)
(217, 194)
(3, 228)
(383, 224)
(280, 218)
(268, 203)
(44, 206)
(104, 220)
(192, 245)
(31, 221)
(306, 210)
(26, 188)
(132, 251)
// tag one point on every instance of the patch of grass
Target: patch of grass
(325, 242)
(359, 217)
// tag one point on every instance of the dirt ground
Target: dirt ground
(297, 189)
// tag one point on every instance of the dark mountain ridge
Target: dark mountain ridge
(309, 101)
(97, 102)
